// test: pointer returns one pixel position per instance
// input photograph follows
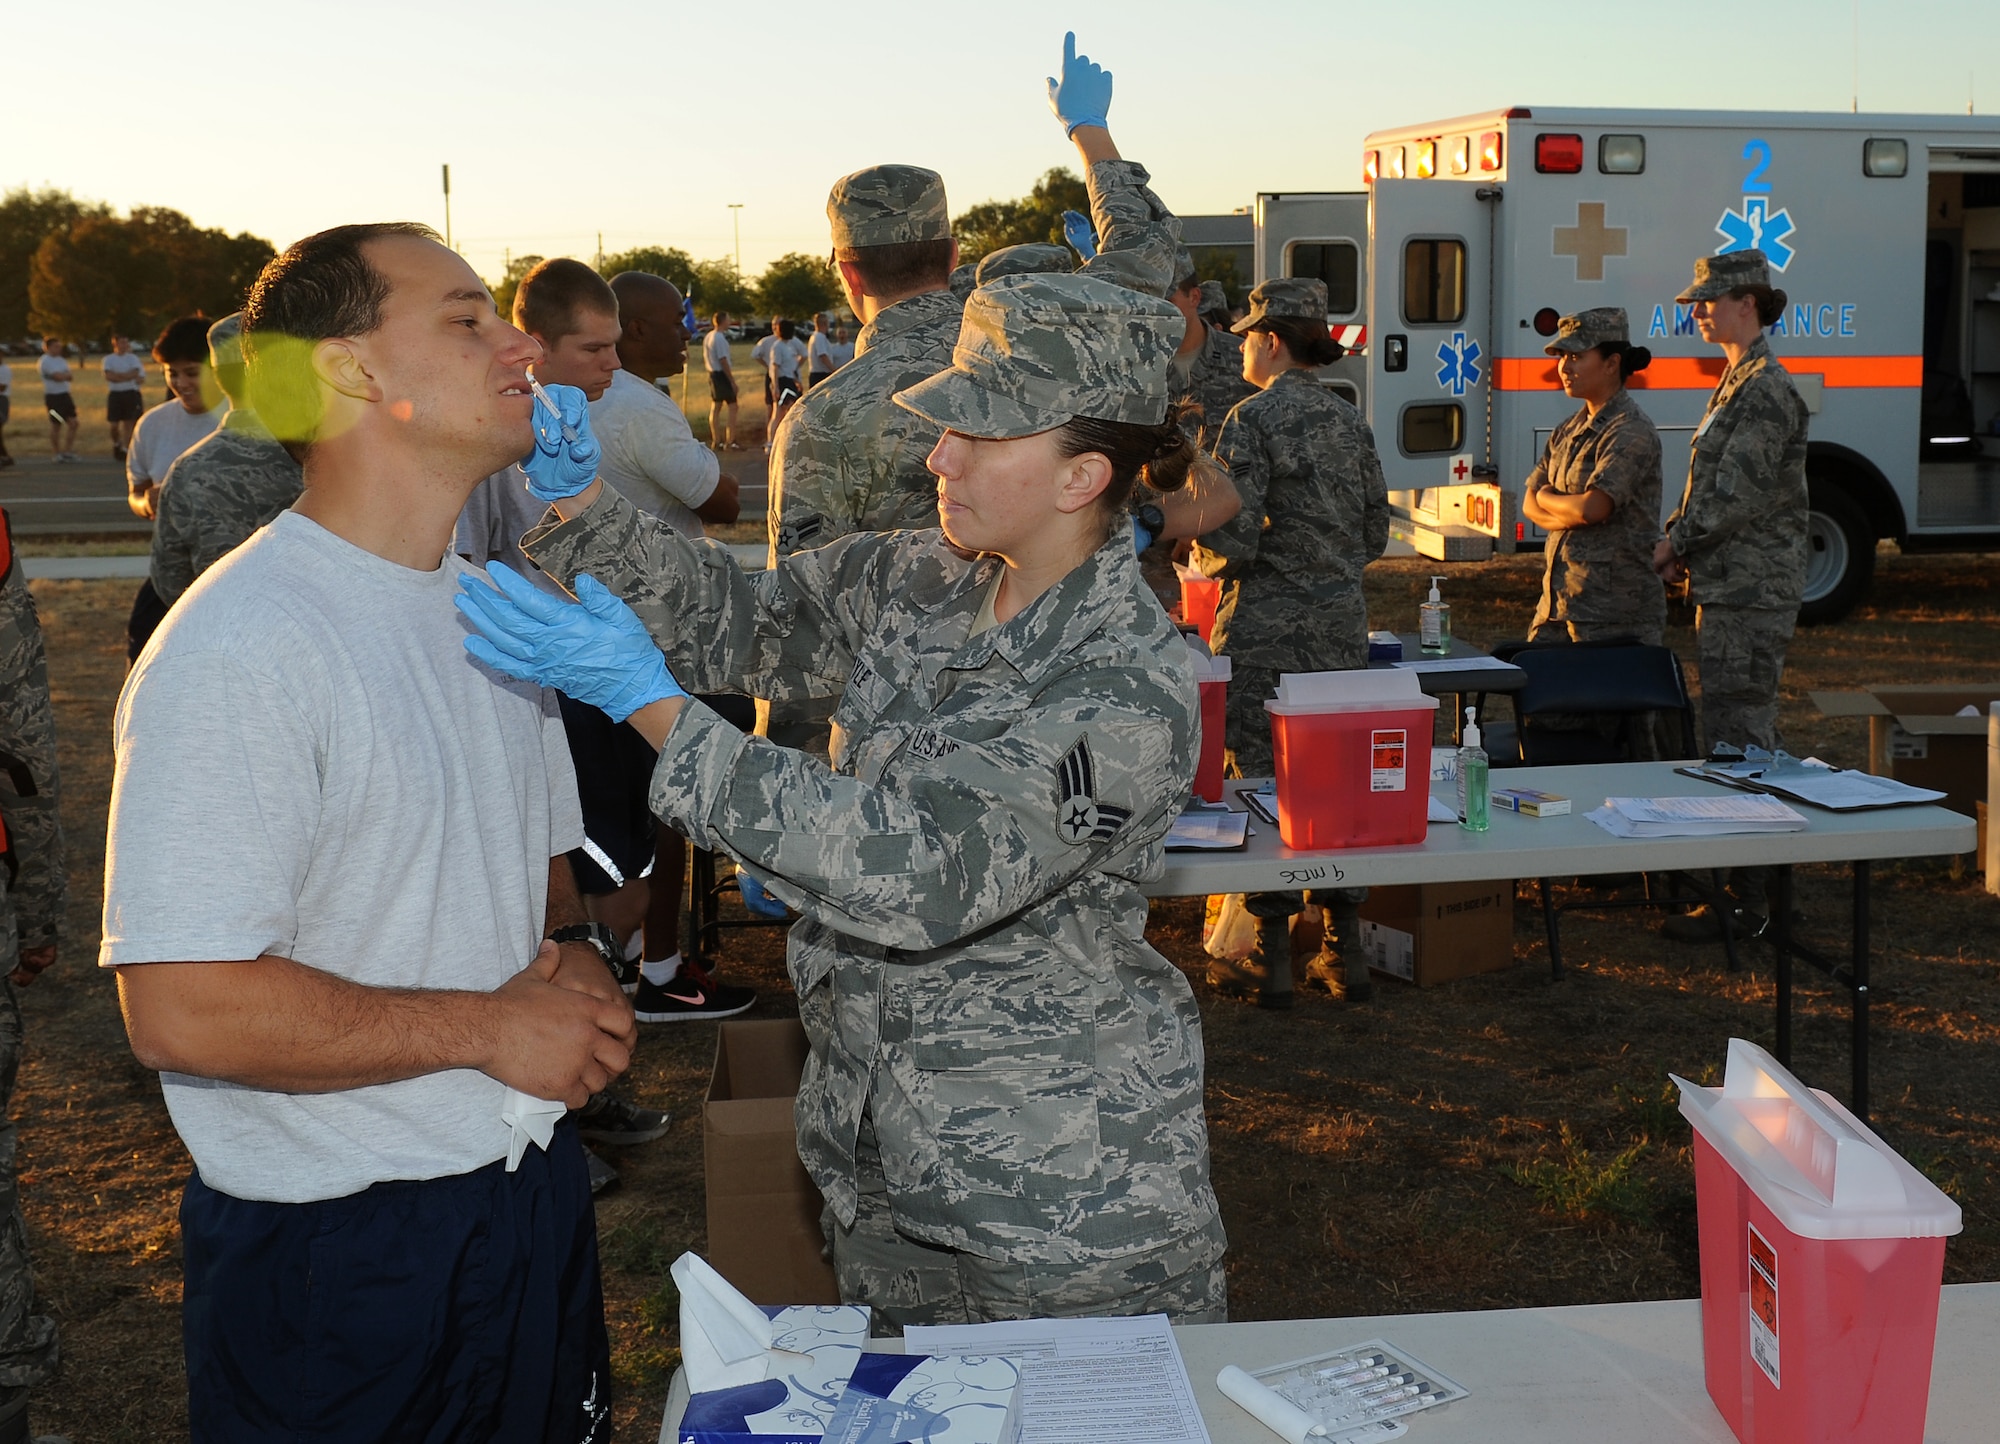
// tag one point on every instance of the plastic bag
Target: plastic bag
(1231, 932)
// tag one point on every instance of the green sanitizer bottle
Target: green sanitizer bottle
(1474, 804)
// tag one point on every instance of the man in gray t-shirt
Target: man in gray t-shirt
(369, 990)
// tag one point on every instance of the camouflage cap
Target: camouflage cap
(1036, 258)
(888, 205)
(1587, 330)
(225, 341)
(1286, 298)
(1184, 272)
(1214, 298)
(1034, 351)
(1716, 276)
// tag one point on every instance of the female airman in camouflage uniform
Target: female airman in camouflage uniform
(1597, 491)
(1315, 513)
(1003, 1103)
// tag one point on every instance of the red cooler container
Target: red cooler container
(1212, 675)
(1353, 758)
(1822, 1253)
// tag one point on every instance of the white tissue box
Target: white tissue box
(814, 1350)
(896, 1398)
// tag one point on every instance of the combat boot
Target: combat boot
(1340, 966)
(1266, 975)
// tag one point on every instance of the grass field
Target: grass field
(27, 429)
(1498, 1142)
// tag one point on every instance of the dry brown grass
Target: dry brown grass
(1369, 1159)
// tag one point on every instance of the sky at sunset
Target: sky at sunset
(645, 121)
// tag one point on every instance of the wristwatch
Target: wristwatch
(1151, 518)
(598, 936)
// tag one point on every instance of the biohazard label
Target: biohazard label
(1763, 1306)
(1389, 753)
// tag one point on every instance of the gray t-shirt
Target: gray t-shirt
(310, 765)
(497, 515)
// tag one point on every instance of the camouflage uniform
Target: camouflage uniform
(1035, 258)
(220, 491)
(1315, 512)
(33, 889)
(1002, 1069)
(1741, 526)
(1215, 381)
(848, 458)
(1598, 580)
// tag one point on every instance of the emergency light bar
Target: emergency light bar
(1371, 166)
(1490, 150)
(1427, 159)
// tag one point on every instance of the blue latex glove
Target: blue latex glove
(1141, 538)
(1083, 95)
(595, 648)
(1081, 235)
(559, 467)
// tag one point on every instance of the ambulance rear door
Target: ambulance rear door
(1431, 344)
(1323, 234)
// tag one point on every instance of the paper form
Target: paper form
(1111, 1381)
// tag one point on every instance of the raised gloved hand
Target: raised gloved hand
(559, 466)
(594, 649)
(1141, 538)
(1083, 95)
(1080, 233)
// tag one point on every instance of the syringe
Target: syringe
(542, 395)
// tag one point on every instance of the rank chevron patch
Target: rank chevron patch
(1080, 817)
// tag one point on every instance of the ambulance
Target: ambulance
(1473, 236)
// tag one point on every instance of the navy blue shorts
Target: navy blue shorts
(455, 1308)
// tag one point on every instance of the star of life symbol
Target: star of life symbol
(1459, 363)
(1757, 227)
(1080, 817)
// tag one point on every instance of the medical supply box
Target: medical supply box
(1211, 675)
(1822, 1255)
(1353, 758)
(763, 1209)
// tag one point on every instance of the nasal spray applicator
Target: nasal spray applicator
(569, 432)
(1434, 622)
(1474, 803)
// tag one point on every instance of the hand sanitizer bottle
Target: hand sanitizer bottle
(1474, 805)
(1434, 622)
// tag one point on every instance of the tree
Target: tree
(719, 287)
(798, 285)
(510, 282)
(668, 261)
(101, 275)
(26, 218)
(1036, 216)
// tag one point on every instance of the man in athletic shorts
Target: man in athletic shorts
(56, 399)
(124, 376)
(721, 384)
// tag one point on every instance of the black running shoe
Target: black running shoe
(692, 996)
(607, 1118)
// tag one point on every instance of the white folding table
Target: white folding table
(1521, 846)
(1582, 1375)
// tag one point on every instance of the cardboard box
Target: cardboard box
(1431, 933)
(763, 1210)
(1915, 735)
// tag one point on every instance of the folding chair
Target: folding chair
(1616, 681)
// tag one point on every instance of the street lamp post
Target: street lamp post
(736, 219)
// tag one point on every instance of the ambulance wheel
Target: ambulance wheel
(1840, 555)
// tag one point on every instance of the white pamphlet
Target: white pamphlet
(1111, 1381)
